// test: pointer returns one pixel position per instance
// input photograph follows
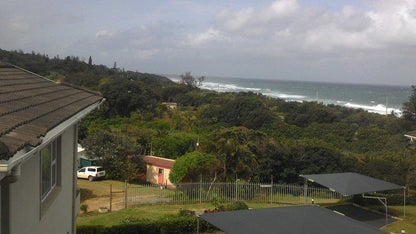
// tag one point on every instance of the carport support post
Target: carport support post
(197, 224)
(305, 190)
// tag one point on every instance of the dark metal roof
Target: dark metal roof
(291, 219)
(31, 105)
(351, 183)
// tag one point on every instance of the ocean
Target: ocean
(379, 99)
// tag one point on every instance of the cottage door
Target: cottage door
(160, 177)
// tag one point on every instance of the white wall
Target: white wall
(25, 204)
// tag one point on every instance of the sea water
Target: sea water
(379, 99)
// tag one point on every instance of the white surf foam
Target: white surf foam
(379, 108)
(224, 87)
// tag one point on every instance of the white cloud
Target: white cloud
(204, 37)
(260, 37)
(235, 20)
(284, 7)
(104, 33)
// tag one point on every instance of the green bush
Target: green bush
(166, 225)
(186, 213)
(238, 205)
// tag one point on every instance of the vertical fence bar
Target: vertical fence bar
(125, 194)
(111, 197)
(200, 190)
(225, 192)
(305, 190)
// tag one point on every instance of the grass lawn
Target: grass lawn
(101, 188)
(152, 212)
(408, 224)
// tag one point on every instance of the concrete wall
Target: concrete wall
(152, 174)
(26, 213)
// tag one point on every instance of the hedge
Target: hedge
(167, 225)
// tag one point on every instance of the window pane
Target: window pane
(53, 175)
(46, 170)
(54, 150)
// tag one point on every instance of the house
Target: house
(38, 146)
(158, 170)
(412, 136)
(83, 160)
(170, 105)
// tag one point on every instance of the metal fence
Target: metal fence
(205, 192)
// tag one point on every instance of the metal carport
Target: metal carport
(350, 183)
(291, 219)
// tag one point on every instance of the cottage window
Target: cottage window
(49, 157)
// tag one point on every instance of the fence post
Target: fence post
(200, 190)
(236, 190)
(125, 194)
(271, 190)
(305, 190)
(111, 197)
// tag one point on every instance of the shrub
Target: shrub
(186, 213)
(238, 205)
(84, 208)
(166, 225)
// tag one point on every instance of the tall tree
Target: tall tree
(90, 61)
(409, 108)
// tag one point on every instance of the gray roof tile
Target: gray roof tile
(31, 105)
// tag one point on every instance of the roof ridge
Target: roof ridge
(160, 157)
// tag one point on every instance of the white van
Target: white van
(91, 173)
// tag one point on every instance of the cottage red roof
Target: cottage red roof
(158, 161)
(31, 105)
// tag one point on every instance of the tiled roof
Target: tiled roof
(160, 162)
(31, 105)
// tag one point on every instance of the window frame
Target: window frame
(54, 148)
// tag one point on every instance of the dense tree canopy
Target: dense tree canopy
(244, 135)
(190, 166)
(409, 108)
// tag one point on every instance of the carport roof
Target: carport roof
(292, 219)
(351, 183)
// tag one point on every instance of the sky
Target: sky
(348, 41)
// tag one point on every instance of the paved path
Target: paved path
(366, 216)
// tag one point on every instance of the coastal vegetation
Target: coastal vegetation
(243, 135)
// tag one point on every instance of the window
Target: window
(91, 169)
(160, 171)
(49, 157)
(82, 170)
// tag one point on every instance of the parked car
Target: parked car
(91, 173)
